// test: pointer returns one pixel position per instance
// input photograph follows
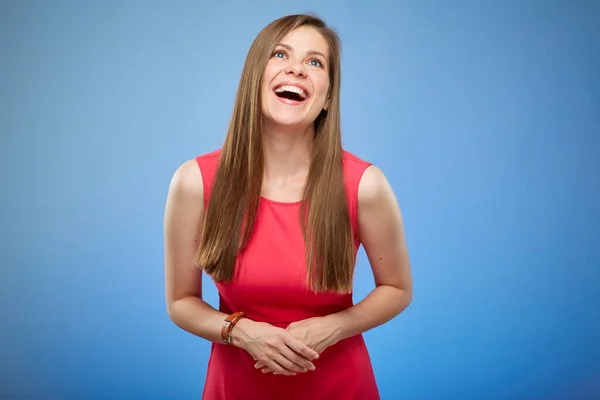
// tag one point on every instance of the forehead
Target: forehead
(306, 39)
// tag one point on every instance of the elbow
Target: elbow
(180, 309)
(406, 297)
(170, 311)
(172, 306)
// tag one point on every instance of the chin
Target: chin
(288, 119)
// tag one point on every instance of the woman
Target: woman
(276, 217)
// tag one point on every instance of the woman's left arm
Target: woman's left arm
(382, 235)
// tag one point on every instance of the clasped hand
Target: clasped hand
(301, 343)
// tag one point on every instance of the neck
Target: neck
(287, 151)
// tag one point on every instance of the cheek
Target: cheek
(322, 87)
(271, 70)
(270, 73)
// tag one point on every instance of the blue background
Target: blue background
(485, 116)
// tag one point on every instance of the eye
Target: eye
(316, 63)
(279, 54)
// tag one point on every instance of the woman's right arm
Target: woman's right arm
(183, 219)
(182, 231)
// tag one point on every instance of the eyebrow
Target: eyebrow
(310, 52)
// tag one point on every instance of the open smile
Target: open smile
(291, 93)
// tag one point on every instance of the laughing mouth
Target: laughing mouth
(291, 93)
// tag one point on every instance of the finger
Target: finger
(266, 370)
(301, 348)
(298, 360)
(278, 366)
(285, 359)
(258, 365)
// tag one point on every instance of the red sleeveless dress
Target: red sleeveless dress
(270, 288)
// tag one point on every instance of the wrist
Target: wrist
(239, 335)
(336, 326)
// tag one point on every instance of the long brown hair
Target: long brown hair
(233, 204)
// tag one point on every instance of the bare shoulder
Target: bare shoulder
(187, 182)
(378, 209)
(184, 210)
(374, 188)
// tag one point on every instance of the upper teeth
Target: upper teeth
(294, 89)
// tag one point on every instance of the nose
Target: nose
(296, 68)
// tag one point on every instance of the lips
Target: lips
(291, 91)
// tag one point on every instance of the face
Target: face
(296, 79)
